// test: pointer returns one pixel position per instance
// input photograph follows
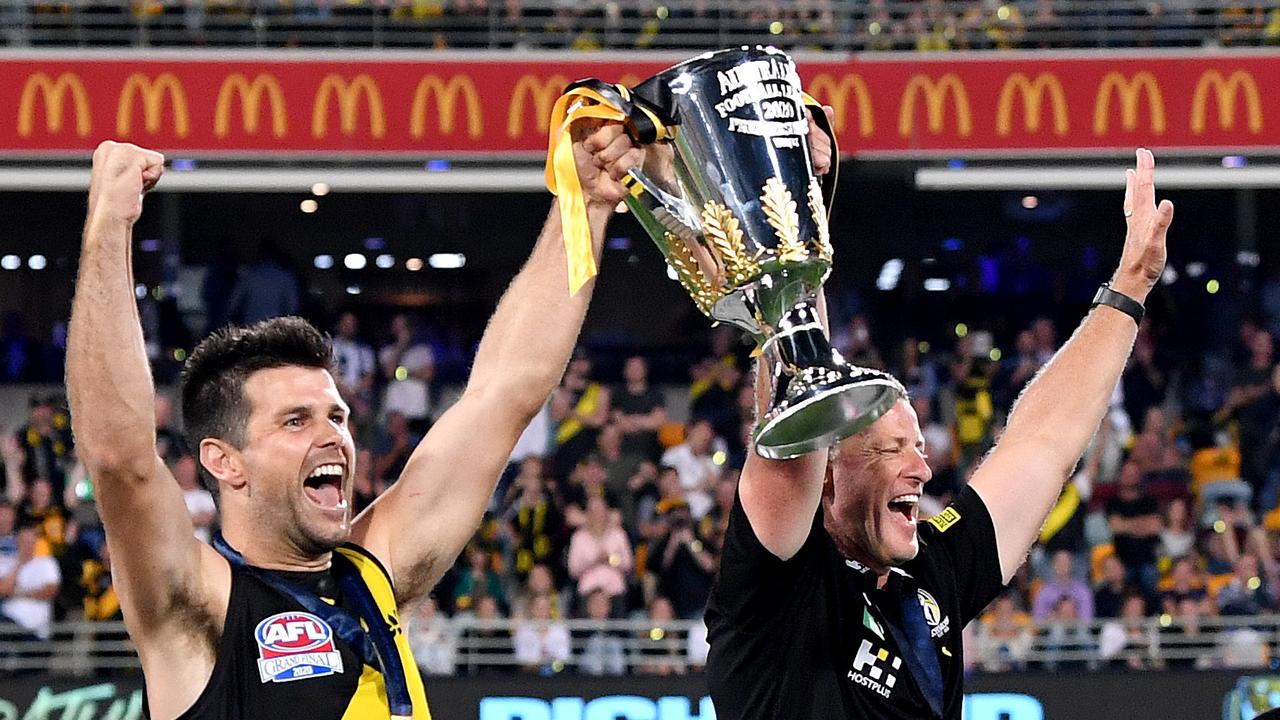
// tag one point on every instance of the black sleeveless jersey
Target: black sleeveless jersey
(275, 659)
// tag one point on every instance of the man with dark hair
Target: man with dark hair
(296, 610)
(833, 601)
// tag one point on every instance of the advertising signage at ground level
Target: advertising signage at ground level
(1023, 696)
(457, 105)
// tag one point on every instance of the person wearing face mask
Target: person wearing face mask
(835, 601)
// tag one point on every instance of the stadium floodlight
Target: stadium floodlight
(355, 261)
(447, 261)
(937, 284)
(10, 262)
(37, 262)
(386, 262)
(414, 264)
(890, 272)
(323, 262)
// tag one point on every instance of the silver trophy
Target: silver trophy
(729, 194)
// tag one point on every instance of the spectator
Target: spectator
(1184, 643)
(695, 463)
(100, 599)
(600, 555)
(487, 640)
(638, 410)
(433, 638)
(1254, 408)
(46, 440)
(266, 288)
(1247, 593)
(41, 511)
(477, 581)
(535, 521)
(395, 446)
(1177, 537)
(579, 407)
(1183, 583)
(1063, 584)
(408, 366)
(659, 651)
(1135, 524)
(1130, 642)
(685, 565)
(1067, 638)
(29, 587)
(917, 374)
(1145, 383)
(541, 644)
(619, 468)
(715, 378)
(200, 503)
(603, 650)
(169, 443)
(1109, 596)
(1004, 636)
(354, 367)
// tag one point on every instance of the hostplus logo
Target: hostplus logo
(875, 669)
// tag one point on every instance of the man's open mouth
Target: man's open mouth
(905, 505)
(324, 486)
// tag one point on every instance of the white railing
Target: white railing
(831, 25)
(468, 646)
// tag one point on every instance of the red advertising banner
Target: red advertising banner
(423, 105)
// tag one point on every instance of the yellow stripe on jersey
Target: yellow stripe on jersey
(370, 698)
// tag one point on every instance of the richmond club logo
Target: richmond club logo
(295, 646)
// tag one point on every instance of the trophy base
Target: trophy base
(822, 410)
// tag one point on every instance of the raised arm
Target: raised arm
(156, 561)
(1052, 421)
(420, 525)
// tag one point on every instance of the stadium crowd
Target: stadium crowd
(615, 500)
(838, 25)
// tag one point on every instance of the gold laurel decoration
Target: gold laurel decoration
(819, 209)
(780, 210)
(724, 232)
(681, 259)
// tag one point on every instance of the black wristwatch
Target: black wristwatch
(1119, 301)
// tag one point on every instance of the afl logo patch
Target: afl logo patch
(938, 625)
(295, 646)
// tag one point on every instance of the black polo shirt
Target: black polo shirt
(807, 638)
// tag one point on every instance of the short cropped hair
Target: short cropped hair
(213, 402)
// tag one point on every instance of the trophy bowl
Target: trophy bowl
(729, 195)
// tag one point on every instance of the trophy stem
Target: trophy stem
(819, 399)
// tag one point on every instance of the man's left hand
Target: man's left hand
(1142, 261)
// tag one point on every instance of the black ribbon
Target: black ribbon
(376, 647)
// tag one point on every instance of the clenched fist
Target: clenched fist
(121, 174)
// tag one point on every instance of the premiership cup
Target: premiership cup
(729, 195)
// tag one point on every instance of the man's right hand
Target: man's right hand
(604, 155)
(121, 174)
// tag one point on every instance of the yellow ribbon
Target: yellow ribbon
(562, 177)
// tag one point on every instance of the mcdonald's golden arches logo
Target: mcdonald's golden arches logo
(153, 94)
(1033, 93)
(348, 94)
(836, 94)
(935, 95)
(54, 93)
(1128, 90)
(1225, 94)
(250, 95)
(446, 95)
(544, 94)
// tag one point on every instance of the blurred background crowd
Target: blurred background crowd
(615, 501)
(831, 25)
